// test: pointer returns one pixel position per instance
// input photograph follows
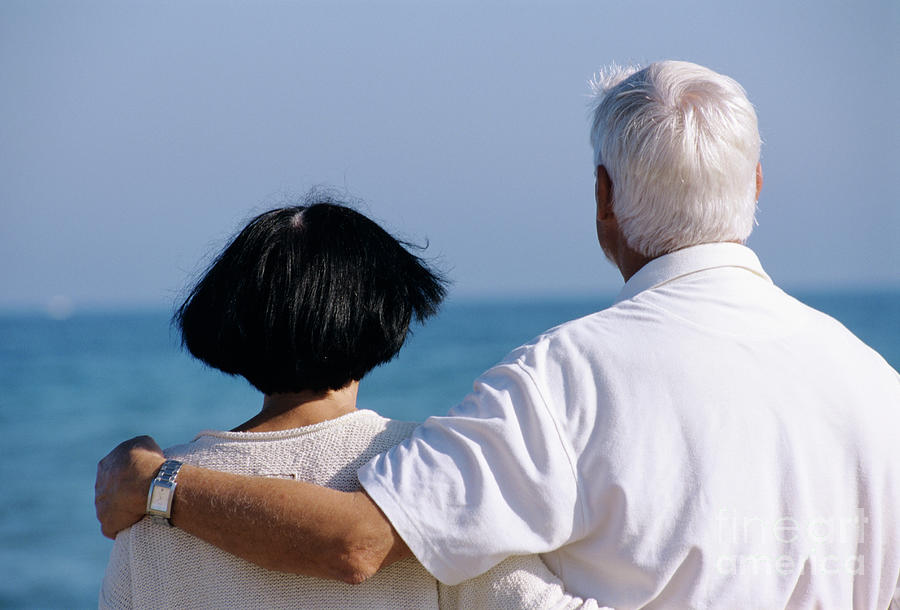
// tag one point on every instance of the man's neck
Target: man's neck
(629, 261)
(298, 409)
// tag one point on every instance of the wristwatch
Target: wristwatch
(162, 491)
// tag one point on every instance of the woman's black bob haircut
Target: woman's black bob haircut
(307, 297)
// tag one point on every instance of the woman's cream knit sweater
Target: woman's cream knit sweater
(155, 566)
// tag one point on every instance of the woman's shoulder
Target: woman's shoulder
(390, 431)
(362, 432)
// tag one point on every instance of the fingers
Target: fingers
(106, 525)
(107, 533)
(123, 477)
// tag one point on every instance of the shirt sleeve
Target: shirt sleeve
(517, 583)
(494, 478)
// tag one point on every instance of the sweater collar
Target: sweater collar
(680, 263)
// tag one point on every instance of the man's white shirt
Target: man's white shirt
(706, 441)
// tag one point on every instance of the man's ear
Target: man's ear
(759, 179)
(603, 194)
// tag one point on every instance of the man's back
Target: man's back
(705, 442)
(727, 446)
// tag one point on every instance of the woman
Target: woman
(303, 303)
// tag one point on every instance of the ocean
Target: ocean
(71, 389)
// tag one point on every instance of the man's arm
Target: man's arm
(282, 525)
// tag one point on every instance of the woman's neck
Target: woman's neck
(297, 409)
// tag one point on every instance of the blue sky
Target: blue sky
(138, 136)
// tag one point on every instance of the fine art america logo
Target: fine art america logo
(823, 545)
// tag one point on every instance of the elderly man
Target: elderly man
(706, 441)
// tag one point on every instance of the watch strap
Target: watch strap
(162, 491)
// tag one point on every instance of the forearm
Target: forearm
(286, 525)
(279, 524)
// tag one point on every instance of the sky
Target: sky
(137, 137)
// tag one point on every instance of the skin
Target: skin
(278, 524)
(610, 235)
(283, 525)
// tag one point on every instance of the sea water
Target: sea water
(71, 389)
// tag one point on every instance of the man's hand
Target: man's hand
(279, 524)
(123, 482)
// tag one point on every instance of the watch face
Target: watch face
(159, 499)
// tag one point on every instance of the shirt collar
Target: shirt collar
(677, 264)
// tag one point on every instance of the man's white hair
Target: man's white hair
(680, 144)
